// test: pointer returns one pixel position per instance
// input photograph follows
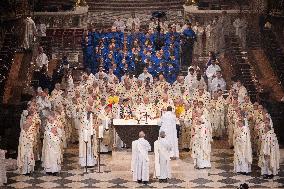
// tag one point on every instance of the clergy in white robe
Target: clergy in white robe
(145, 75)
(269, 155)
(211, 71)
(242, 147)
(190, 79)
(201, 140)
(168, 125)
(26, 159)
(87, 139)
(51, 152)
(41, 59)
(30, 32)
(162, 149)
(144, 109)
(140, 159)
(217, 83)
(237, 24)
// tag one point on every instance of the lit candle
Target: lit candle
(106, 123)
(101, 131)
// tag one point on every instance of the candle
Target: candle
(85, 135)
(106, 123)
(101, 131)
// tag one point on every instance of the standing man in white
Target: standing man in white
(168, 125)
(162, 149)
(140, 159)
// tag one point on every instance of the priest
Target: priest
(168, 125)
(87, 137)
(140, 159)
(52, 151)
(201, 139)
(242, 146)
(269, 157)
(162, 149)
(25, 160)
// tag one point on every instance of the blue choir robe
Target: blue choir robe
(170, 74)
(96, 38)
(160, 69)
(189, 33)
(107, 63)
(116, 72)
(157, 61)
(89, 55)
(152, 71)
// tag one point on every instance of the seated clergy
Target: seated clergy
(145, 108)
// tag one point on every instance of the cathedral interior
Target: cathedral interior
(256, 57)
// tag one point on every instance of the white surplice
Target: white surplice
(270, 148)
(51, 153)
(242, 150)
(162, 149)
(87, 134)
(26, 160)
(140, 159)
(201, 143)
(168, 125)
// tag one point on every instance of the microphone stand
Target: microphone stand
(99, 156)
(86, 166)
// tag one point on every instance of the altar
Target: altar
(128, 130)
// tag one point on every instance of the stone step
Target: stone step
(156, 8)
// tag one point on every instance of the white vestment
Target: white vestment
(41, 60)
(87, 134)
(201, 143)
(143, 76)
(216, 84)
(140, 159)
(162, 149)
(26, 160)
(51, 152)
(242, 150)
(269, 148)
(30, 31)
(211, 71)
(168, 125)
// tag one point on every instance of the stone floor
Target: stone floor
(115, 174)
